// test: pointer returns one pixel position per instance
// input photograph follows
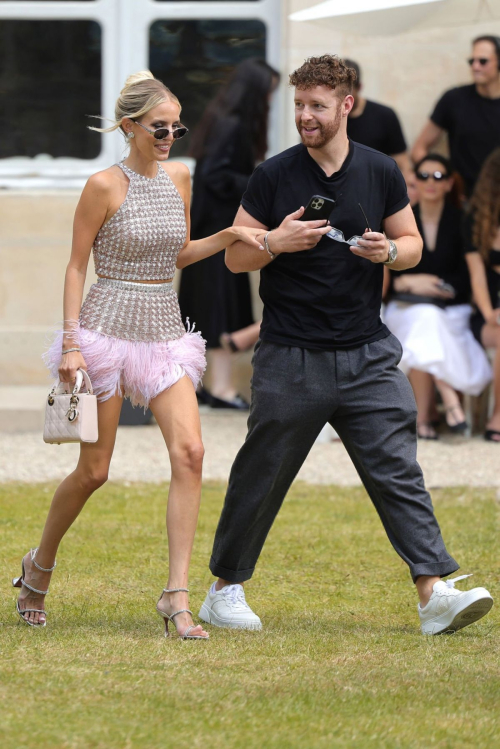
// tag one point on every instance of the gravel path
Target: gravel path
(140, 455)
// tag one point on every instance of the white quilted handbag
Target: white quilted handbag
(71, 416)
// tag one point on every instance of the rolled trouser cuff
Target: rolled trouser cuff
(439, 569)
(232, 576)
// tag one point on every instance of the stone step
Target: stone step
(22, 408)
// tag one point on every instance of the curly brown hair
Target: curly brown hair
(326, 70)
(485, 204)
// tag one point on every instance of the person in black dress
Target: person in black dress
(482, 247)
(429, 307)
(227, 144)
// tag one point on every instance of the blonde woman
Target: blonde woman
(129, 335)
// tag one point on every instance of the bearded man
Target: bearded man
(325, 355)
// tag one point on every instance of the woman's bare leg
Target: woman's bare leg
(176, 412)
(490, 336)
(454, 411)
(69, 499)
(424, 392)
(220, 364)
(220, 360)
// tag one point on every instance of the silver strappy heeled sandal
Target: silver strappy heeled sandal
(18, 582)
(170, 617)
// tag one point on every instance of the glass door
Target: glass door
(63, 62)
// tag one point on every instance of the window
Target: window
(206, 1)
(50, 79)
(194, 57)
(62, 60)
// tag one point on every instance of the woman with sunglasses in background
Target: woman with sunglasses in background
(429, 306)
(229, 141)
(482, 247)
(129, 334)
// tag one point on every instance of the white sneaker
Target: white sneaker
(449, 609)
(227, 607)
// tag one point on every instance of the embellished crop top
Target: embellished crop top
(142, 240)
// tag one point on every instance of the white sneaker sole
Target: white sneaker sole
(207, 615)
(468, 610)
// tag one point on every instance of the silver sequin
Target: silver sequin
(141, 242)
(133, 311)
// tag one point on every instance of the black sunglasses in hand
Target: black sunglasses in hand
(163, 132)
(338, 234)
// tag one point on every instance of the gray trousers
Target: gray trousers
(370, 403)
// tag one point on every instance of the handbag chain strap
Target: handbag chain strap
(72, 412)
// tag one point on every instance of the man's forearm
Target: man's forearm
(409, 252)
(292, 235)
(241, 258)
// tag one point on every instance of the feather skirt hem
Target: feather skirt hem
(139, 370)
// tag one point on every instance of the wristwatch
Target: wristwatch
(393, 253)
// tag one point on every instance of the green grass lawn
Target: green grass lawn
(340, 661)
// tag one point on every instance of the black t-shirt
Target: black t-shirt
(377, 127)
(327, 297)
(473, 125)
(447, 259)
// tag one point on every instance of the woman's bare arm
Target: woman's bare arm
(198, 249)
(479, 283)
(292, 235)
(90, 214)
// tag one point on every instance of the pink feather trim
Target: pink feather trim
(139, 370)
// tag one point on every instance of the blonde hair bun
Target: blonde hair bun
(141, 93)
(132, 80)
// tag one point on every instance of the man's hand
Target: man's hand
(293, 235)
(373, 246)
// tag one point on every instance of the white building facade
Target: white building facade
(64, 60)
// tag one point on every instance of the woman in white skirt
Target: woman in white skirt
(129, 335)
(429, 309)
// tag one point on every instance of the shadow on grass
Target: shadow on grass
(143, 626)
(340, 661)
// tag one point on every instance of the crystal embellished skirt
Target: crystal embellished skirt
(133, 341)
(133, 311)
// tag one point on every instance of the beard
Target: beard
(326, 132)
